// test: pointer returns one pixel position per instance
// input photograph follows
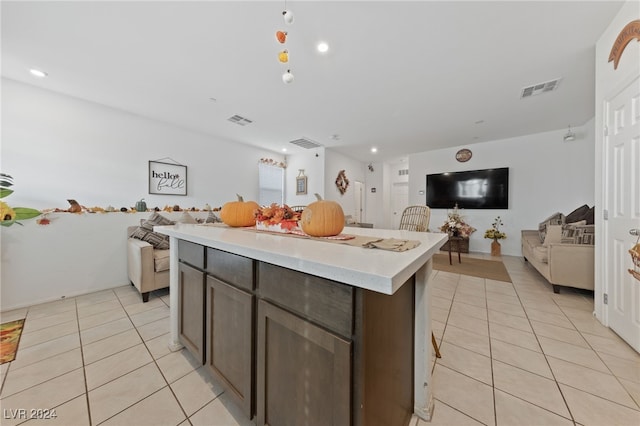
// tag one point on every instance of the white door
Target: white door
(622, 205)
(358, 195)
(399, 201)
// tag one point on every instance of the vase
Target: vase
(495, 248)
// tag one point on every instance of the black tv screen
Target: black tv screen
(472, 189)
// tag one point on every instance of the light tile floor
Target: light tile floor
(512, 354)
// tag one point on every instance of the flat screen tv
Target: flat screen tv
(472, 189)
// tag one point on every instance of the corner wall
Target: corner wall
(354, 170)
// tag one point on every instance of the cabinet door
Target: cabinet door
(191, 310)
(229, 340)
(303, 372)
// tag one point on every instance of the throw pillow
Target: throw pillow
(569, 231)
(554, 219)
(145, 231)
(590, 216)
(156, 219)
(553, 235)
(577, 214)
(585, 234)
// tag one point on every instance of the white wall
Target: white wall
(547, 175)
(608, 82)
(75, 254)
(373, 200)
(312, 161)
(58, 147)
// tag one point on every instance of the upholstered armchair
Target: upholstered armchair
(148, 267)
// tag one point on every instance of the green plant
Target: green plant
(494, 232)
(10, 215)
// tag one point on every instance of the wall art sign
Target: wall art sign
(167, 178)
(628, 33)
(301, 183)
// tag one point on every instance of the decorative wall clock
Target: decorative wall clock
(342, 182)
(463, 155)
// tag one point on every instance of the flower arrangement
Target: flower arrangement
(456, 226)
(9, 215)
(494, 232)
(277, 218)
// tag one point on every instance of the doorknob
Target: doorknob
(634, 232)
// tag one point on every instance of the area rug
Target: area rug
(10, 333)
(491, 269)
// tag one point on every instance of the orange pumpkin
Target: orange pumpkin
(239, 213)
(322, 218)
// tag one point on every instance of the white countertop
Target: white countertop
(372, 269)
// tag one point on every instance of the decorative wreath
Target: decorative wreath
(342, 182)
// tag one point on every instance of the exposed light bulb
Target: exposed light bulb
(288, 17)
(287, 77)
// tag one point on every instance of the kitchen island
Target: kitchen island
(301, 331)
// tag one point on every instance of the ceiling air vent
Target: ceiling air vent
(540, 88)
(239, 120)
(305, 143)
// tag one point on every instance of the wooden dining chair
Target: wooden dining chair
(415, 218)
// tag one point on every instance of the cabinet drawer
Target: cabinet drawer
(231, 268)
(322, 301)
(191, 253)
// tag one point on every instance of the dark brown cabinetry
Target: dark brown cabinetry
(229, 340)
(293, 348)
(304, 371)
(230, 323)
(191, 310)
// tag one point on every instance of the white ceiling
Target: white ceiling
(400, 76)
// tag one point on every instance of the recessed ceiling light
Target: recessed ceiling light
(284, 149)
(323, 47)
(38, 73)
(374, 150)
